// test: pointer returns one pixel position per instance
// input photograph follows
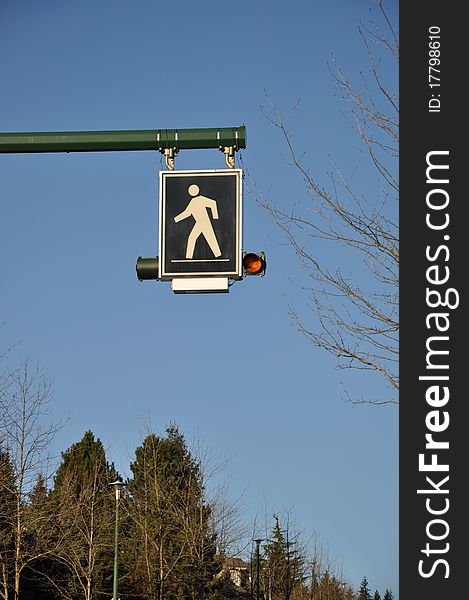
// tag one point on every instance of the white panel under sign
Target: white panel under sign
(199, 285)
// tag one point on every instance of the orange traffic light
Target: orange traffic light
(254, 263)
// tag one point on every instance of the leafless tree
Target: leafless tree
(314, 572)
(83, 529)
(25, 437)
(153, 548)
(181, 521)
(7, 510)
(326, 579)
(227, 523)
(356, 303)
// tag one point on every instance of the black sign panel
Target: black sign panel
(200, 223)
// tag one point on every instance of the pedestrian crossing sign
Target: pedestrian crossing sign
(200, 224)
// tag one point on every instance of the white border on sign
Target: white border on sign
(237, 273)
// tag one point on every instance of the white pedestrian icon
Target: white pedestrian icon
(198, 208)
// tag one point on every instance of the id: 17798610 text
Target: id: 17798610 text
(434, 53)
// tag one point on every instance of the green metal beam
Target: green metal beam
(105, 141)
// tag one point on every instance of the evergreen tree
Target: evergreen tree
(283, 568)
(82, 460)
(169, 549)
(84, 506)
(364, 591)
(388, 595)
(376, 595)
(325, 586)
(41, 540)
(331, 588)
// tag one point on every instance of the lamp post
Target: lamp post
(119, 486)
(258, 542)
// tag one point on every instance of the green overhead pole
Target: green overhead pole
(108, 141)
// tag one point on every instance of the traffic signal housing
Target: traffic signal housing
(254, 263)
(147, 268)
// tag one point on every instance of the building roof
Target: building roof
(235, 563)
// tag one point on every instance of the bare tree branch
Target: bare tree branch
(25, 436)
(353, 308)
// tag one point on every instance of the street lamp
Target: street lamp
(119, 486)
(258, 542)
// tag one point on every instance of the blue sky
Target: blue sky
(230, 369)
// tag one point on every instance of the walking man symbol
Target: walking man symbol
(198, 208)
